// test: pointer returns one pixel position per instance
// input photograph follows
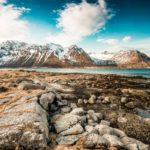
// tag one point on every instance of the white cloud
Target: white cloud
(80, 20)
(126, 39)
(109, 41)
(2, 1)
(11, 26)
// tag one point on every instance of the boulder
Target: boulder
(78, 111)
(89, 129)
(67, 140)
(74, 130)
(104, 122)
(130, 105)
(130, 141)
(92, 99)
(124, 100)
(102, 142)
(46, 99)
(106, 100)
(65, 109)
(25, 124)
(65, 122)
(62, 103)
(91, 140)
(29, 86)
(73, 105)
(113, 140)
(80, 101)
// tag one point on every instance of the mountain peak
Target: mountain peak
(76, 48)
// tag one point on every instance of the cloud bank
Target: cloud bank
(80, 20)
(11, 26)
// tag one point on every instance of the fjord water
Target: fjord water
(130, 72)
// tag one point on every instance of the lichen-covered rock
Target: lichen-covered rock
(133, 143)
(91, 140)
(65, 122)
(76, 129)
(78, 111)
(113, 140)
(24, 124)
(46, 99)
(65, 109)
(67, 140)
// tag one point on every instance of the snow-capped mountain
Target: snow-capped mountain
(131, 58)
(20, 54)
(15, 54)
(78, 56)
(123, 58)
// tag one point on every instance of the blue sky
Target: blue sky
(95, 25)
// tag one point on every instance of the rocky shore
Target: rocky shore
(55, 111)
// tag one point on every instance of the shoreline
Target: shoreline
(138, 72)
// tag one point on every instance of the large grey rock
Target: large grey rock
(102, 142)
(91, 140)
(137, 144)
(73, 105)
(76, 129)
(78, 111)
(25, 123)
(46, 99)
(113, 140)
(61, 88)
(65, 109)
(105, 129)
(29, 86)
(62, 103)
(67, 140)
(22, 79)
(89, 129)
(64, 122)
(104, 122)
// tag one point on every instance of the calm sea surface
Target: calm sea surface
(130, 72)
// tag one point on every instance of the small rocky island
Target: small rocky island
(53, 111)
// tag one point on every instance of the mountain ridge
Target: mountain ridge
(21, 54)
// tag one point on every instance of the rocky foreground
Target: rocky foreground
(73, 111)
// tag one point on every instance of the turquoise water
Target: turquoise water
(130, 72)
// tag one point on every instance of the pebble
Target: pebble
(80, 101)
(106, 100)
(130, 105)
(124, 100)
